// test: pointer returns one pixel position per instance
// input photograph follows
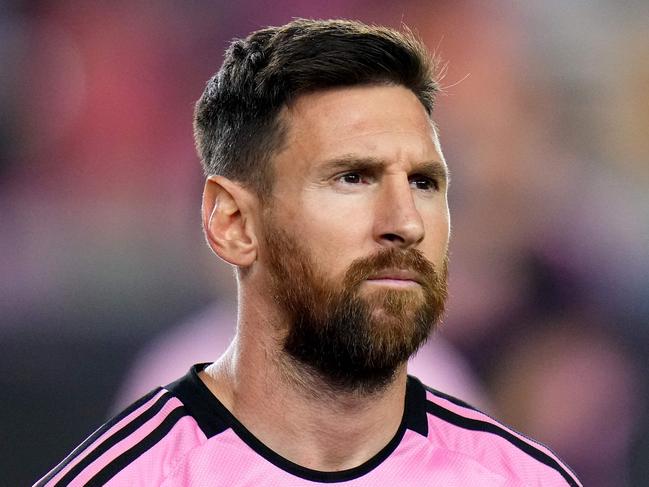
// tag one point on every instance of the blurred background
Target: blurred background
(107, 287)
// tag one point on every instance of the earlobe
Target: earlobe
(227, 222)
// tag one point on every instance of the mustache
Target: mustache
(386, 259)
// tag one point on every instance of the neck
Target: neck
(299, 415)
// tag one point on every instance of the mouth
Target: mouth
(395, 278)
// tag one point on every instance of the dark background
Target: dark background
(544, 125)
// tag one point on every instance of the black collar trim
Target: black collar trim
(214, 418)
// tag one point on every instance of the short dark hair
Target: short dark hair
(236, 121)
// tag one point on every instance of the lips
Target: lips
(396, 275)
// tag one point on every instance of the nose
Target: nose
(398, 222)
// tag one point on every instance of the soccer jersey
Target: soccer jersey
(181, 435)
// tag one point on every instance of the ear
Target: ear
(227, 221)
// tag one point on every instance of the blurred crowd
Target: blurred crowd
(104, 274)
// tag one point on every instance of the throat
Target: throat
(307, 422)
(328, 431)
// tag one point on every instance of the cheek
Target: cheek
(437, 237)
(334, 231)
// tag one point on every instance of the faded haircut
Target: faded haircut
(237, 127)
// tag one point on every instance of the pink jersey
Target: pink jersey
(181, 435)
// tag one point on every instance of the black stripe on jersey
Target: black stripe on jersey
(415, 413)
(477, 425)
(210, 415)
(115, 438)
(448, 397)
(93, 437)
(130, 455)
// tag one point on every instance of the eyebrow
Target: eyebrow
(433, 169)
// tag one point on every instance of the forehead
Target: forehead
(384, 121)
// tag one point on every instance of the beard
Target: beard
(352, 339)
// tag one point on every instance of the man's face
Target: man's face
(356, 233)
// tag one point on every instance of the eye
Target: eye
(351, 178)
(424, 183)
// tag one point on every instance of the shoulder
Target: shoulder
(466, 430)
(146, 440)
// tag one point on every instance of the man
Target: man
(326, 191)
